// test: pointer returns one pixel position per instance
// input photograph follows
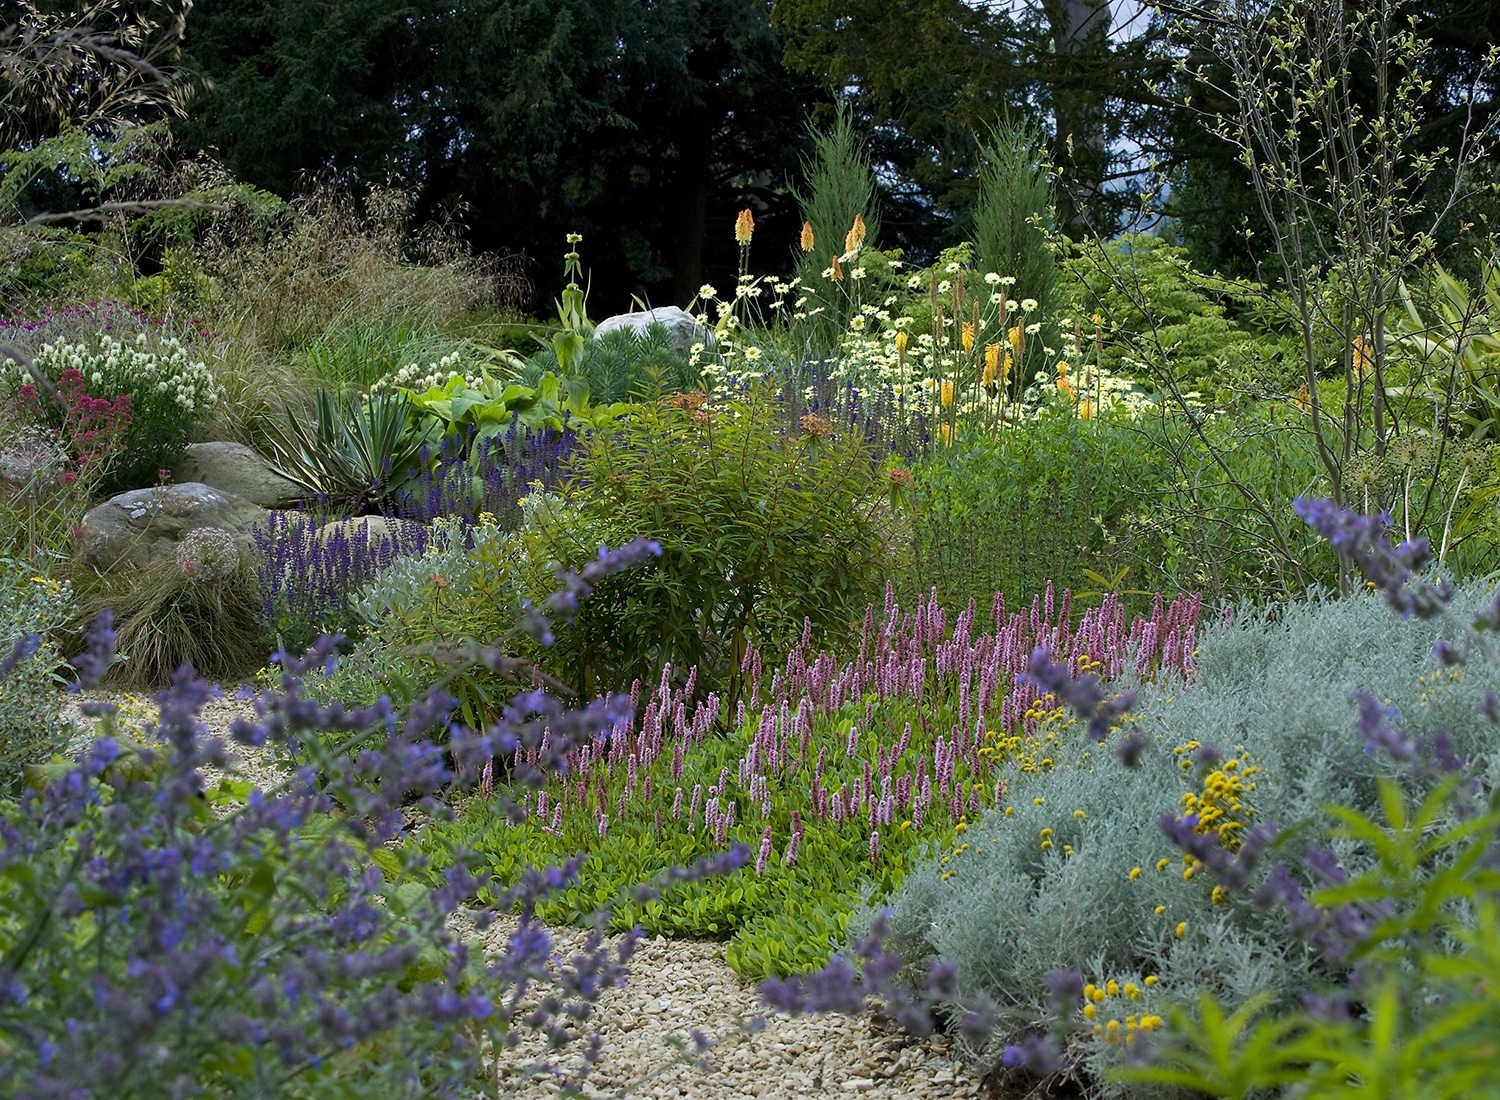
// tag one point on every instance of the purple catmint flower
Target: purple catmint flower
(98, 653)
(25, 648)
(1084, 695)
(1398, 744)
(1361, 540)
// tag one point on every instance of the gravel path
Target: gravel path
(676, 985)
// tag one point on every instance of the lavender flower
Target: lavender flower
(99, 652)
(25, 648)
(1361, 540)
(263, 939)
(1085, 695)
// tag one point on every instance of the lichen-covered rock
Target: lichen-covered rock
(145, 525)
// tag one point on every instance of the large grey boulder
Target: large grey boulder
(681, 328)
(237, 469)
(145, 525)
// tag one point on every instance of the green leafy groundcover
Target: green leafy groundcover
(838, 777)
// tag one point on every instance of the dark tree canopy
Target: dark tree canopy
(643, 124)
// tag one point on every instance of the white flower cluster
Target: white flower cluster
(140, 369)
(421, 378)
(207, 555)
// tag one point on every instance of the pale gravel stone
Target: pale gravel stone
(791, 1057)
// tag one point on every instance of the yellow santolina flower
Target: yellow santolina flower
(744, 226)
(1151, 979)
(1010, 811)
(1181, 929)
(1132, 991)
(1135, 873)
(1163, 864)
(1112, 1031)
(807, 237)
(1089, 1012)
(1046, 844)
(1219, 895)
(1094, 993)
(1037, 801)
(1111, 988)
(1045, 833)
(1159, 910)
(1150, 1023)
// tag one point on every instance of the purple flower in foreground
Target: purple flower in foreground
(1085, 695)
(1038, 1054)
(24, 649)
(99, 651)
(841, 987)
(1361, 539)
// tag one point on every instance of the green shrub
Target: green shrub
(1042, 501)
(840, 186)
(31, 726)
(622, 366)
(423, 611)
(760, 531)
(1189, 318)
(1077, 872)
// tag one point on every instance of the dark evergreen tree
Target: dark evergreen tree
(643, 124)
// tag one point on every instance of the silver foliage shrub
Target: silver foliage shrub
(1277, 685)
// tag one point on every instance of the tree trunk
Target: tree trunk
(1080, 38)
(692, 212)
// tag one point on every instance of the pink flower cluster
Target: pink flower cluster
(879, 773)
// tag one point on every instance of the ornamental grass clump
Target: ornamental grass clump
(837, 773)
(160, 937)
(197, 608)
(1153, 870)
(34, 609)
